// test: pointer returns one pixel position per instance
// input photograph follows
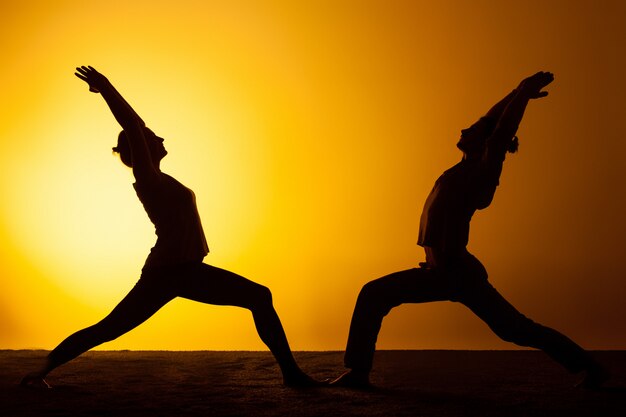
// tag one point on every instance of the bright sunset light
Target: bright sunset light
(311, 135)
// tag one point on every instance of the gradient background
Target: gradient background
(311, 135)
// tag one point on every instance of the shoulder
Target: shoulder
(152, 184)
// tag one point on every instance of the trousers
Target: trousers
(459, 278)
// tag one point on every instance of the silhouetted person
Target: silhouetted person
(174, 267)
(450, 271)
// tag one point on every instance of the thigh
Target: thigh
(212, 285)
(416, 285)
(143, 300)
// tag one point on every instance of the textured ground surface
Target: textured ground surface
(409, 383)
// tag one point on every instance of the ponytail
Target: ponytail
(513, 145)
(123, 149)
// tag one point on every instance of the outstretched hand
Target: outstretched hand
(92, 77)
(533, 85)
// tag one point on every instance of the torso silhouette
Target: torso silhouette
(456, 195)
(172, 209)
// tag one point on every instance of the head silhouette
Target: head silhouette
(155, 146)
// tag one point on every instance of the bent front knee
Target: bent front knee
(373, 297)
(371, 290)
(265, 295)
(262, 297)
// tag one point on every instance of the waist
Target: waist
(154, 266)
(438, 258)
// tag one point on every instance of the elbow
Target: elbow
(483, 204)
(483, 200)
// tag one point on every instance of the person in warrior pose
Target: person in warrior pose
(450, 271)
(174, 267)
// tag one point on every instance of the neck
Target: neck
(471, 156)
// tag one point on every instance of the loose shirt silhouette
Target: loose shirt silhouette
(172, 209)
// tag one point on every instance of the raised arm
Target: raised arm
(497, 109)
(512, 113)
(509, 113)
(143, 167)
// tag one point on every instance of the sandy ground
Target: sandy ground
(408, 383)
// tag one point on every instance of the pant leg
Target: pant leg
(144, 299)
(512, 326)
(375, 301)
(212, 285)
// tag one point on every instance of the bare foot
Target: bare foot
(595, 376)
(34, 381)
(302, 380)
(353, 379)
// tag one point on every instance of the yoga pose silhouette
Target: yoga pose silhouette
(450, 271)
(174, 267)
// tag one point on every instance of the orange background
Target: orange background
(311, 135)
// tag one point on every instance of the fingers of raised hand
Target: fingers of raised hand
(549, 77)
(87, 70)
(84, 73)
(543, 78)
(536, 82)
(81, 76)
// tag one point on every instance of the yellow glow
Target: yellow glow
(311, 134)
